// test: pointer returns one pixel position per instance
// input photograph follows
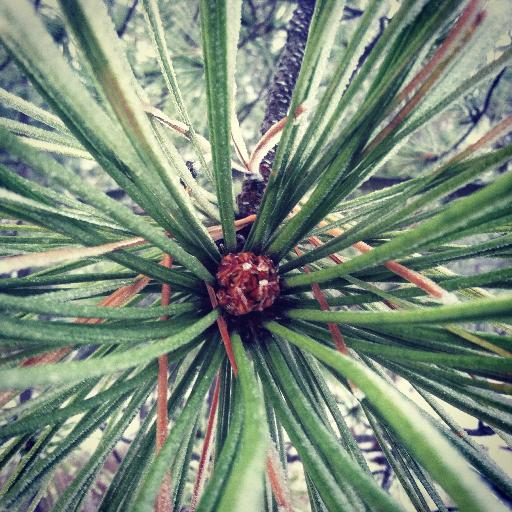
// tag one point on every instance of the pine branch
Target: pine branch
(279, 99)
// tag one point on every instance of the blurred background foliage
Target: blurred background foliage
(263, 35)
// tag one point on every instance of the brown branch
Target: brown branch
(334, 329)
(432, 76)
(116, 299)
(438, 56)
(279, 99)
(277, 481)
(126, 21)
(475, 118)
(491, 135)
(163, 500)
(270, 139)
(206, 446)
(223, 329)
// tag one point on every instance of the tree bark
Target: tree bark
(278, 100)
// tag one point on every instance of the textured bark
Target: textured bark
(278, 99)
(288, 66)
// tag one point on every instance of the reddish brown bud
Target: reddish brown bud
(247, 283)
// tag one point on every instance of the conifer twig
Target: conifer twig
(163, 500)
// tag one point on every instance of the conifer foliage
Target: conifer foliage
(167, 350)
